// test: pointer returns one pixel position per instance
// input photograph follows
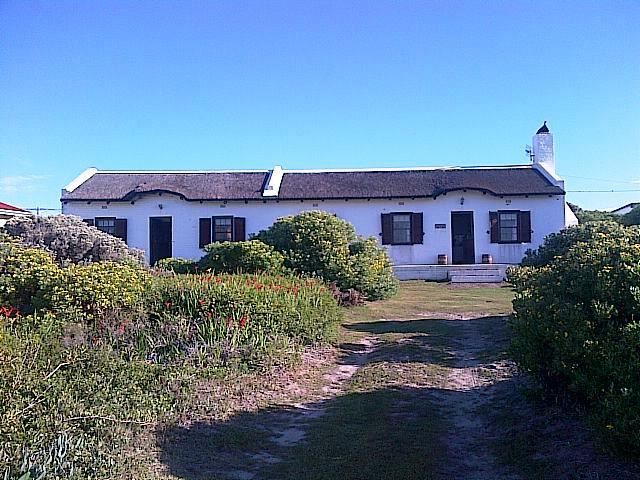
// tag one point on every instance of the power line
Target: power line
(635, 182)
(602, 191)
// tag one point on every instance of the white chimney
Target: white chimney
(543, 149)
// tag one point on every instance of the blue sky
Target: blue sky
(317, 84)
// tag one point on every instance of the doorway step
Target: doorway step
(481, 273)
(477, 274)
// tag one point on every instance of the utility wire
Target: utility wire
(602, 191)
(635, 182)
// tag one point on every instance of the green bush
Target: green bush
(323, 245)
(25, 275)
(253, 256)
(177, 265)
(97, 288)
(370, 270)
(313, 242)
(71, 240)
(558, 244)
(576, 325)
(587, 216)
(65, 407)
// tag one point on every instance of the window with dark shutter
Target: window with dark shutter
(495, 227)
(204, 232)
(525, 226)
(402, 228)
(387, 228)
(510, 226)
(417, 232)
(121, 229)
(239, 229)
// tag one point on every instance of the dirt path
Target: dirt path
(430, 397)
(469, 455)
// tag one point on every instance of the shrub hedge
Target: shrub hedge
(70, 240)
(320, 244)
(576, 324)
(112, 344)
(558, 244)
(252, 256)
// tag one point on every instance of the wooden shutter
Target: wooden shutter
(89, 221)
(417, 231)
(495, 227)
(205, 232)
(387, 229)
(121, 228)
(239, 229)
(524, 227)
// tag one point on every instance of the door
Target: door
(462, 241)
(160, 237)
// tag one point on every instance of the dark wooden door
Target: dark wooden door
(462, 240)
(160, 236)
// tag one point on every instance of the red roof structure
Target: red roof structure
(6, 206)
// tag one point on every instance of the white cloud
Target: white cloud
(19, 183)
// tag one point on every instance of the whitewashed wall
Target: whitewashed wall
(547, 216)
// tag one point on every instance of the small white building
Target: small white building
(7, 212)
(419, 214)
(625, 208)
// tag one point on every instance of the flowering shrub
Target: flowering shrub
(91, 290)
(323, 245)
(242, 257)
(576, 324)
(236, 315)
(25, 274)
(70, 239)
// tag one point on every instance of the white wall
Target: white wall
(547, 216)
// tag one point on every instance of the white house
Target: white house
(625, 208)
(7, 212)
(419, 214)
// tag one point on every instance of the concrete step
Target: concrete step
(469, 271)
(475, 278)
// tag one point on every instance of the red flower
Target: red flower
(202, 301)
(9, 311)
(229, 322)
(243, 321)
(218, 280)
(167, 304)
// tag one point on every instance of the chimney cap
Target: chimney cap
(543, 128)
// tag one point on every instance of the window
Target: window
(222, 229)
(401, 228)
(510, 226)
(106, 224)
